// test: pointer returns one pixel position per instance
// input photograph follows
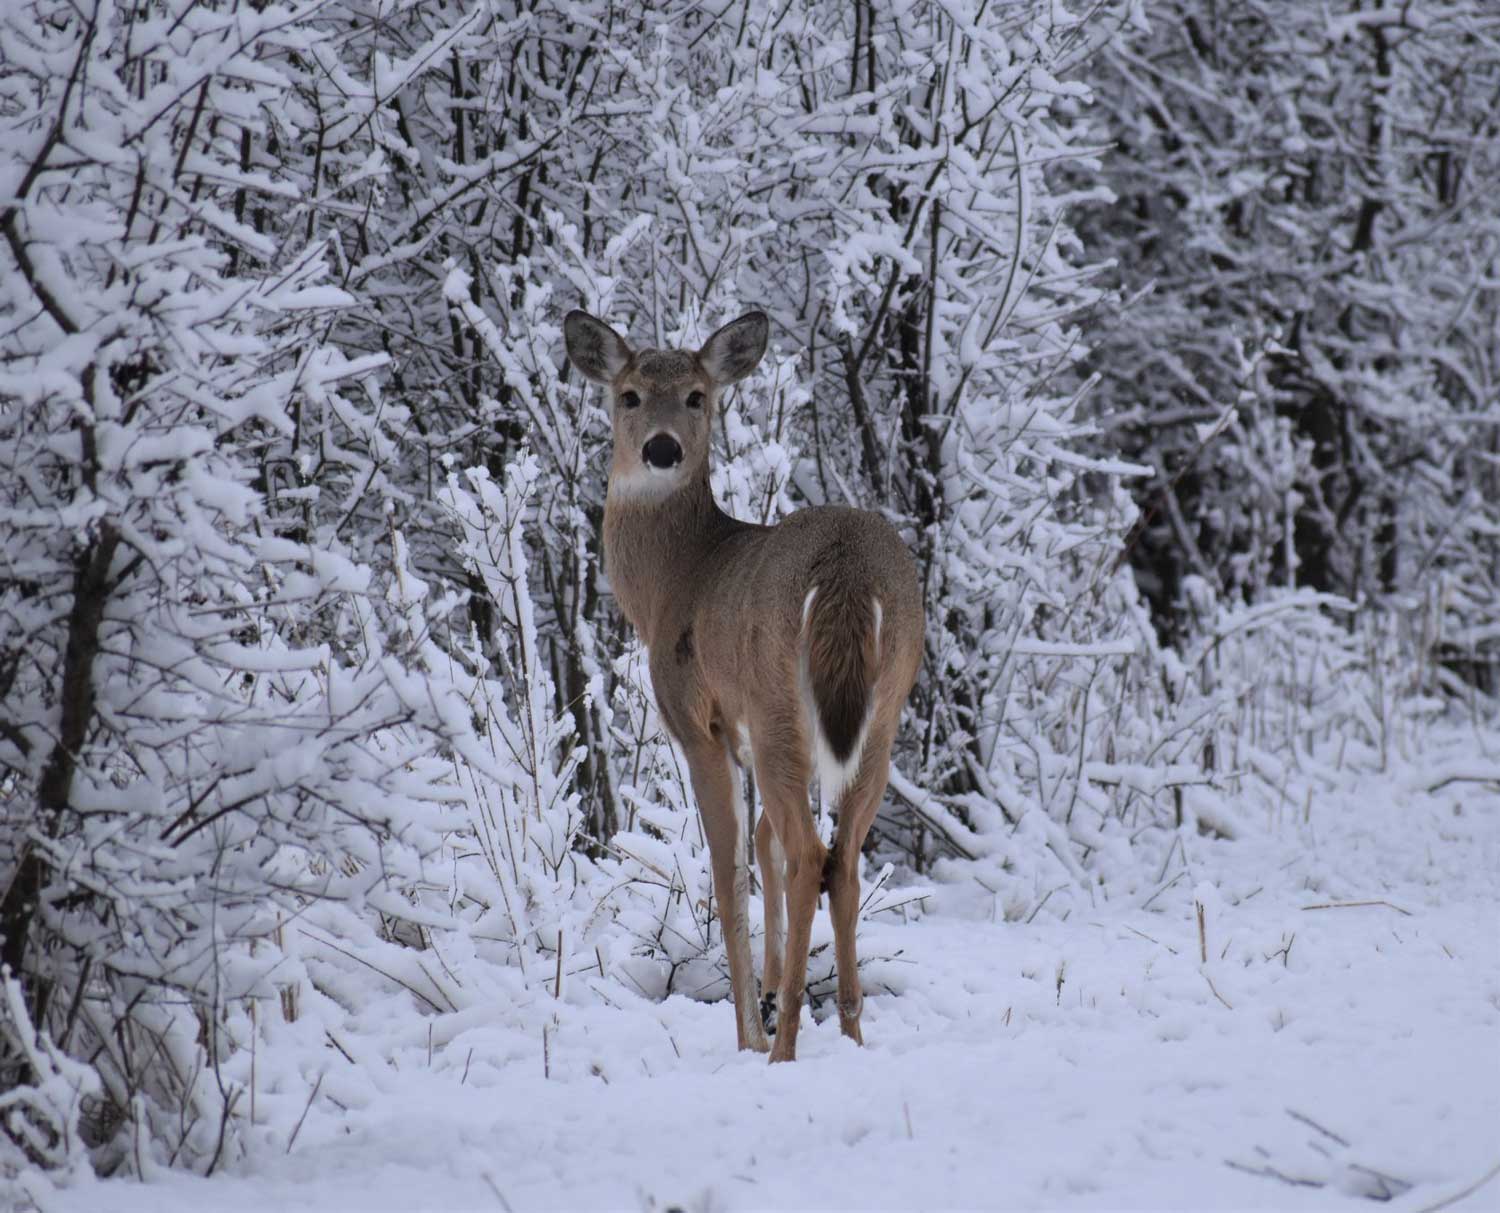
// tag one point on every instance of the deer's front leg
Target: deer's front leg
(721, 804)
(772, 861)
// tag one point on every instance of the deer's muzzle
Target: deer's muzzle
(662, 451)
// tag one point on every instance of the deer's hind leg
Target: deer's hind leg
(781, 774)
(856, 813)
(721, 805)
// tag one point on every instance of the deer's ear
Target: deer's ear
(733, 352)
(594, 348)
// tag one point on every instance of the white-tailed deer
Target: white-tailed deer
(791, 647)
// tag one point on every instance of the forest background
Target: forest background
(1164, 333)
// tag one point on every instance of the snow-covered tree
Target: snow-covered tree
(209, 720)
(308, 669)
(1304, 221)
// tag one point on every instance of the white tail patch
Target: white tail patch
(834, 777)
(879, 615)
(807, 605)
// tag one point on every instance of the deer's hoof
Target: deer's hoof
(849, 1019)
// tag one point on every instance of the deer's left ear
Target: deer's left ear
(733, 352)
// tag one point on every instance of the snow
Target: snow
(357, 898)
(1340, 1042)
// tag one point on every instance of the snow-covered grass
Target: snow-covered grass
(1341, 1042)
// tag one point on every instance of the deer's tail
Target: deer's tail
(841, 636)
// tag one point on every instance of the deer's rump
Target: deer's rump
(861, 620)
(828, 600)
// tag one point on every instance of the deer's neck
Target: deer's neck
(654, 549)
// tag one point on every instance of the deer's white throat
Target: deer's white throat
(647, 483)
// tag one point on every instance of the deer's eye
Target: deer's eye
(695, 400)
(630, 400)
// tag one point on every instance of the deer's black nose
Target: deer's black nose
(662, 451)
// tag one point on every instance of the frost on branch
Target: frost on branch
(208, 722)
(39, 1115)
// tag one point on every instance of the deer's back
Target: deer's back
(740, 634)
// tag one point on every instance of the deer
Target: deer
(787, 649)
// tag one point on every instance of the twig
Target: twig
(229, 1101)
(1350, 905)
(1391, 1186)
(1269, 1172)
(1316, 1127)
(896, 905)
(1458, 1196)
(407, 986)
(1145, 904)
(499, 1195)
(1037, 909)
(317, 1086)
(1149, 939)
(874, 888)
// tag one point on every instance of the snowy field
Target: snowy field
(1328, 1054)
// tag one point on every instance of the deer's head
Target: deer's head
(662, 402)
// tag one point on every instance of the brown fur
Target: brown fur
(841, 650)
(719, 603)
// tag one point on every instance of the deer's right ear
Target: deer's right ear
(594, 348)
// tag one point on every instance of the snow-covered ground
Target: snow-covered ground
(1325, 1054)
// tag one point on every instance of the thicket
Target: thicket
(309, 680)
(1304, 228)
